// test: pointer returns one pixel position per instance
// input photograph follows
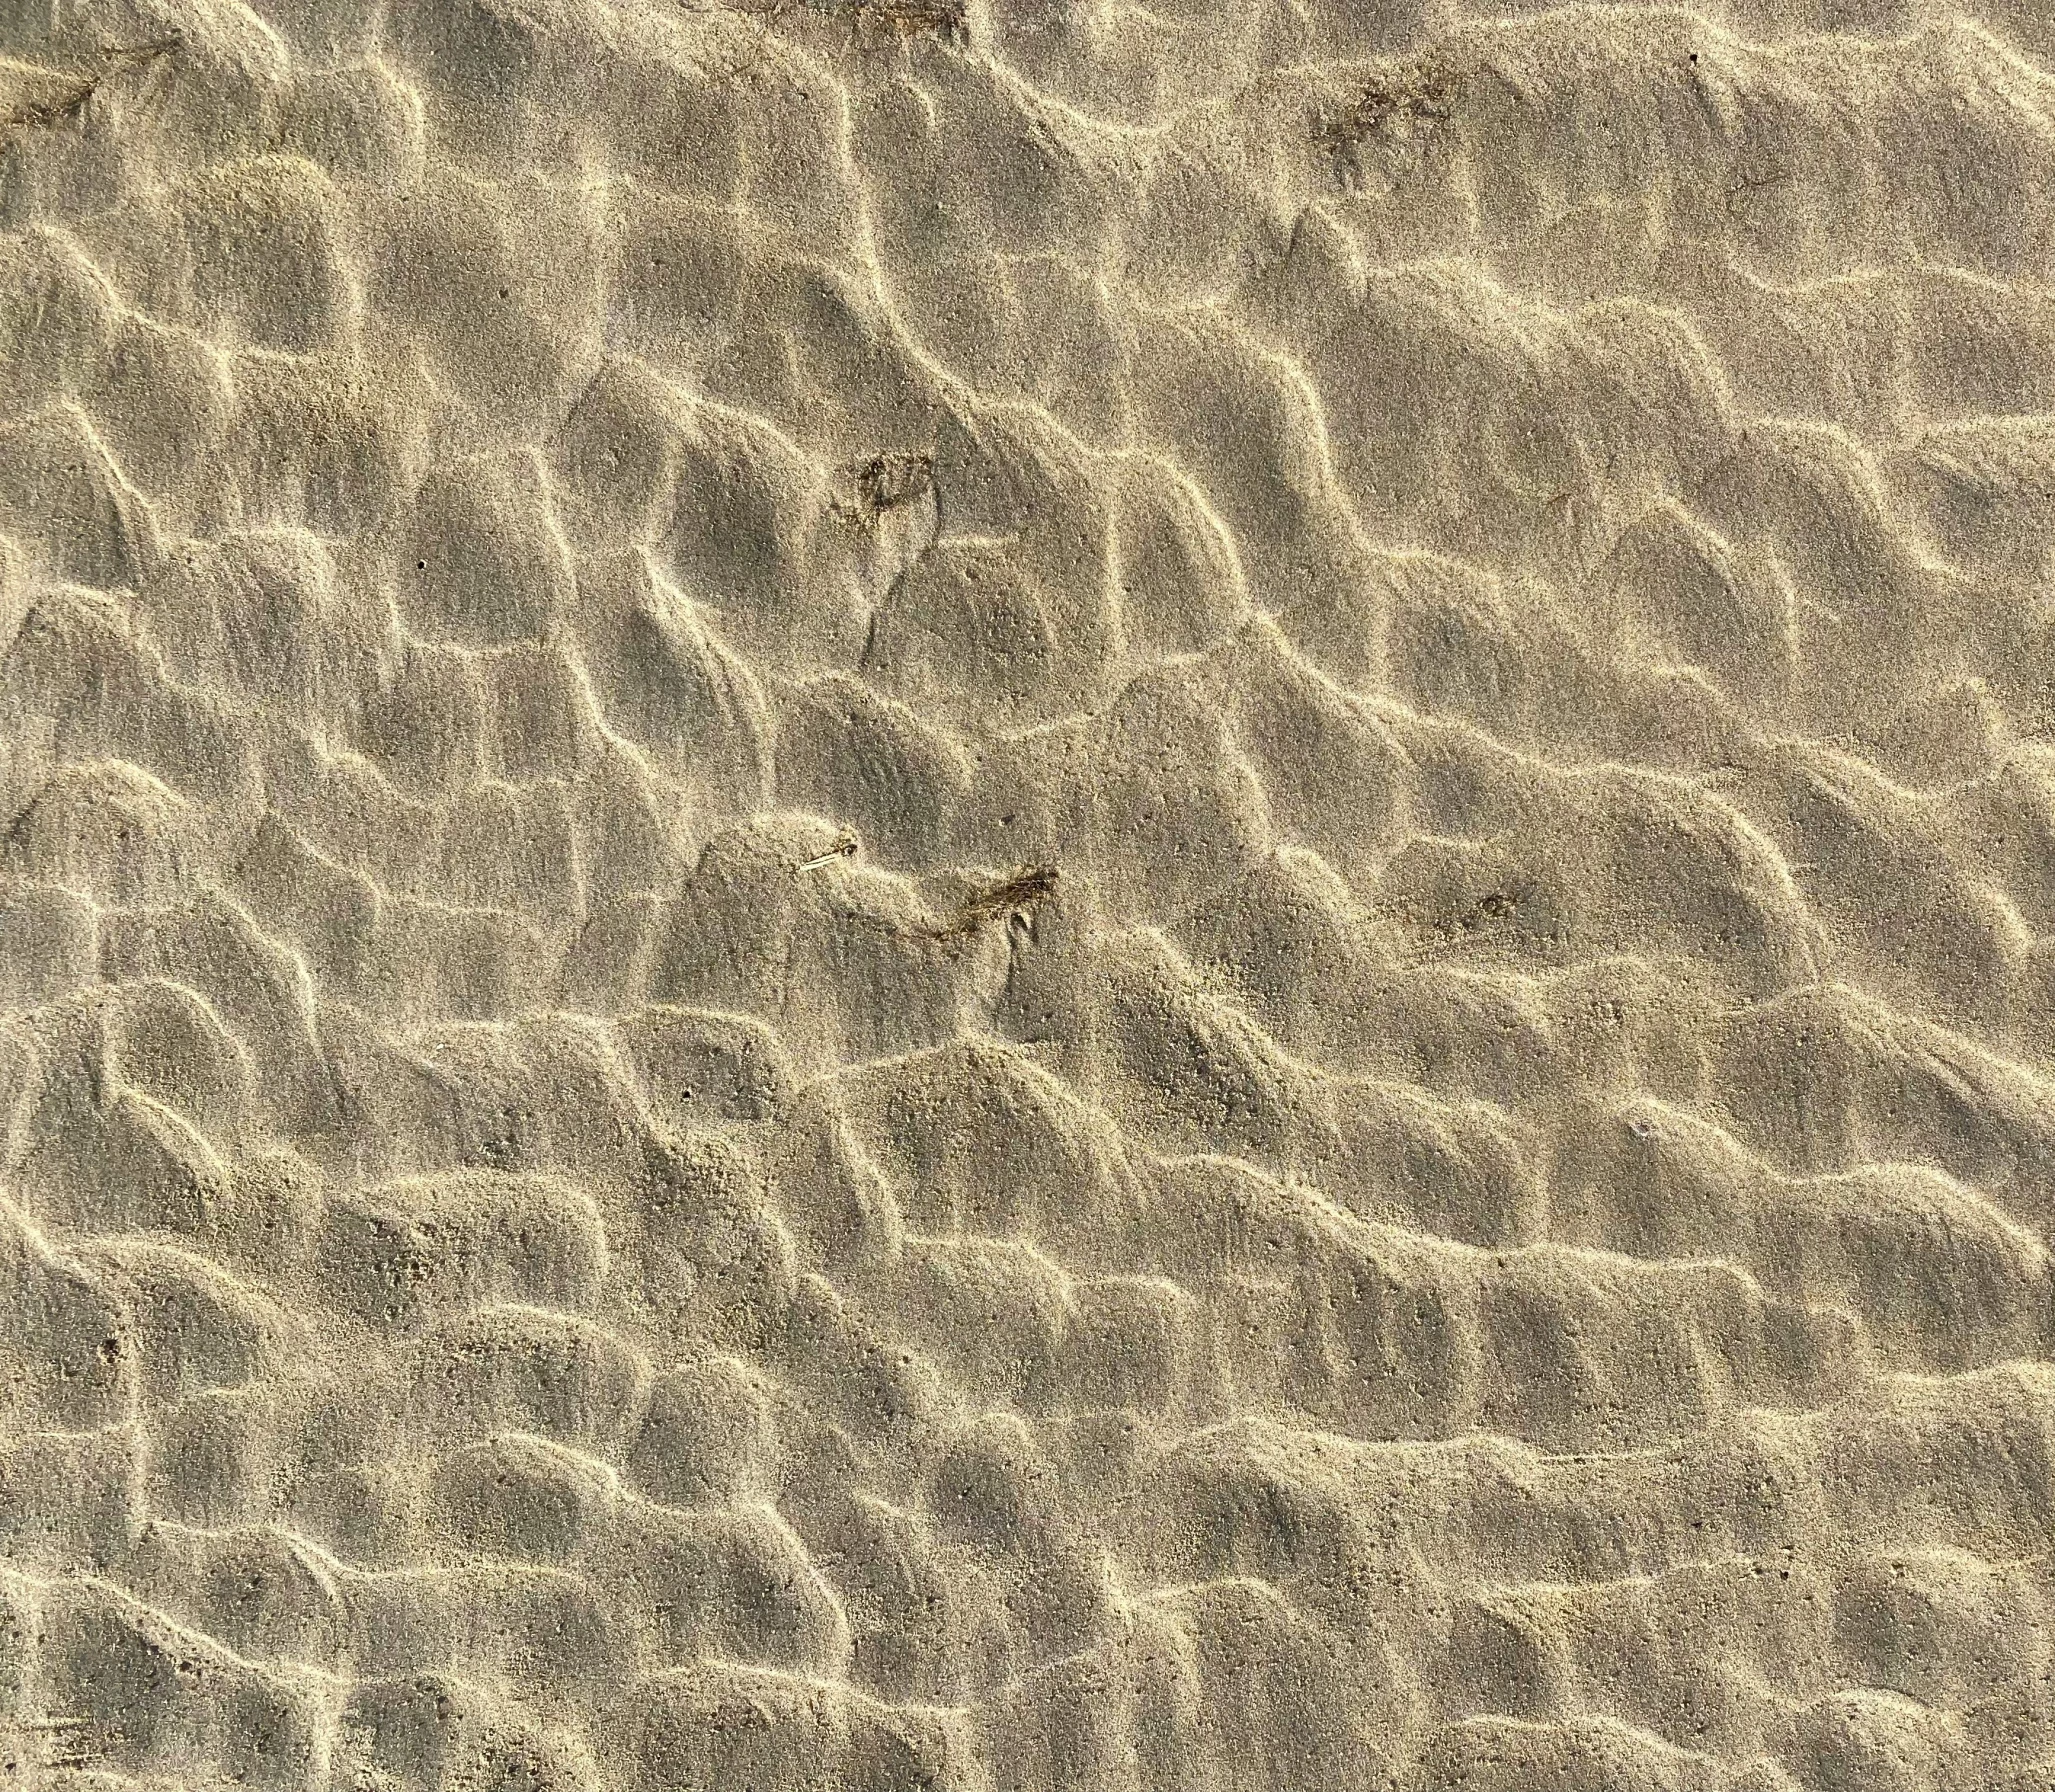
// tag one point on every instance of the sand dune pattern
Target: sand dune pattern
(998, 896)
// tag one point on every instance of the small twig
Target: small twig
(1777, 177)
(844, 848)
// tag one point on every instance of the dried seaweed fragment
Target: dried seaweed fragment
(71, 92)
(947, 21)
(884, 483)
(1394, 111)
(1011, 897)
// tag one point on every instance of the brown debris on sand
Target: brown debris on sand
(1017, 895)
(72, 92)
(1393, 112)
(947, 21)
(902, 21)
(886, 482)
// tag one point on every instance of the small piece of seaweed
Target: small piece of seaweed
(71, 101)
(1021, 893)
(947, 21)
(887, 481)
(1393, 110)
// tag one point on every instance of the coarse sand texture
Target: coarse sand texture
(1027, 896)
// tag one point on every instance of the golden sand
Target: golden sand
(1027, 897)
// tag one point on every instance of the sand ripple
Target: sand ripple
(1027, 897)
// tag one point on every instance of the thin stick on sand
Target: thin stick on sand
(844, 848)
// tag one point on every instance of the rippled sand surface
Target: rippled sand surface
(1039, 896)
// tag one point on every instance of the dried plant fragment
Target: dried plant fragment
(64, 96)
(1394, 112)
(885, 483)
(1020, 894)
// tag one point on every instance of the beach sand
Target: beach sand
(998, 894)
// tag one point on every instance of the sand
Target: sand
(1027, 896)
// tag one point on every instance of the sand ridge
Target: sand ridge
(1000, 896)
